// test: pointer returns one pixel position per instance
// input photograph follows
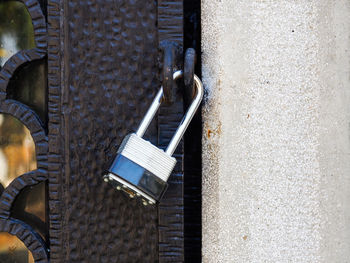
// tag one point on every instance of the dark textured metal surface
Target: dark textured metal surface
(98, 92)
(25, 56)
(168, 49)
(109, 79)
(170, 210)
(56, 132)
(28, 236)
(170, 21)
(171, 52)
(189, 68)
(31, 120)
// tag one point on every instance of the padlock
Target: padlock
(141, 169)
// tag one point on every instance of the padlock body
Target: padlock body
(135, 180)
(140, 169)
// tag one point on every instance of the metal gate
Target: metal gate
(82, 84)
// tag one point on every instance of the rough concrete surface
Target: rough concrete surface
(276, 138)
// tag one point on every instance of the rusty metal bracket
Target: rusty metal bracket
(171, 52)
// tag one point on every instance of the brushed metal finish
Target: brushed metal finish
(148, 156)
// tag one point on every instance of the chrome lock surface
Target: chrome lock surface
(141, 169)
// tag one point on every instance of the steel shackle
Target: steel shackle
(186, 118)
(140, 168)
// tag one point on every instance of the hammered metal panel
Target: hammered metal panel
(110, 78)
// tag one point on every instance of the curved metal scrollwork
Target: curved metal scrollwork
(25, 56)
(26, 233)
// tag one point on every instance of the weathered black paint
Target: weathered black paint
(104, 68)
(30, 119)
(170, 209)
(109, 70)
(189, 71)
(171, 52)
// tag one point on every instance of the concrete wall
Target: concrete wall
(276, 138)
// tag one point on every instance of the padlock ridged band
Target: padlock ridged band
(147, 155)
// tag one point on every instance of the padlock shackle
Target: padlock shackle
(185, 120)
(146, 121)
(152, 110)
(187, 117)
